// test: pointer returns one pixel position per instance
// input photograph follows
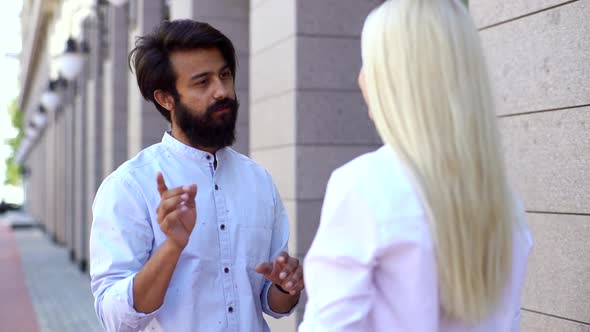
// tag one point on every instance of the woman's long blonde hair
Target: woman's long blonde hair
(429, 96)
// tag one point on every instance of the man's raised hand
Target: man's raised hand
(177, 212)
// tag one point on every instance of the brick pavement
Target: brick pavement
(16, 309)
(59, 291)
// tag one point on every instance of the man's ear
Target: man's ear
(165, 99)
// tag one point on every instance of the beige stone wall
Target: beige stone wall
(539, 60)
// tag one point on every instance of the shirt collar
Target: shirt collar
(195, 154)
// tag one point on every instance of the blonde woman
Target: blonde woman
(425, 233)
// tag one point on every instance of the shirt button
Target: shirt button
(216, 187)
(222, 226)
(208, 157)
(226, 270)
(230, 309)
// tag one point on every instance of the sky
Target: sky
(9, 69)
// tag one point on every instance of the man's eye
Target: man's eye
(226, 74)
(201, 83)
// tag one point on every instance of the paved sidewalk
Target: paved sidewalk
(59, 291)
(17, 219)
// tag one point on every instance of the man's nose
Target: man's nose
(221, 91)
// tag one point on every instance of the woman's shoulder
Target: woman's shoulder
(379, 173)
(380, 183)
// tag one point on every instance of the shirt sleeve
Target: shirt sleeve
(352, 257)
(120, 244)
(279, 243)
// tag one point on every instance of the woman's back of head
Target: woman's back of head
(428, 93)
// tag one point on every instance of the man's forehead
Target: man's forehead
(188, 61)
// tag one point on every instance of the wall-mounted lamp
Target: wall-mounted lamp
(70, 63)
(51, 99)
(40, 118)
(31, 132)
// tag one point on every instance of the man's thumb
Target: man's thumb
(264, 268)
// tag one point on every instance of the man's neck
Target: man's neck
(179, 135)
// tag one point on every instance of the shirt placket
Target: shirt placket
(229, 290)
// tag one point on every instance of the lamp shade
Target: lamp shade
(50, 100)
(40, 120)
(70, 64)
(118, 2)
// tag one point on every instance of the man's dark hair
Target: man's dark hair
(151, 56)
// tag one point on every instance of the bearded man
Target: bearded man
(190, 235)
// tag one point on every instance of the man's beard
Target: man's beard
(205, 130)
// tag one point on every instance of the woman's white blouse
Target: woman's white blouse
(371, 266)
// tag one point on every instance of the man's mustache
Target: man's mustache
(232, 104)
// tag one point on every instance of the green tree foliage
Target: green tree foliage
(13, 169)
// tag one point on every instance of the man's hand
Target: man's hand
(285, 271)
(177, 215)
(177, 212)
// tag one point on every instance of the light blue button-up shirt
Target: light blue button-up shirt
(241, 222)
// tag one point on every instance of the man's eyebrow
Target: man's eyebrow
(225, 66)
(200, 75)
(207, 73)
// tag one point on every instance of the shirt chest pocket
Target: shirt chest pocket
(252, 236)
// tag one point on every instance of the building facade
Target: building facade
(302, 115)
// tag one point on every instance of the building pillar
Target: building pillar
(146, 126)
(39, 172)
(69, 167)
(115, 90)
(60, 186)
(94, 130)
(32, 182)
(307, 113)
(80, 211)
(93, 174)
(51, 179)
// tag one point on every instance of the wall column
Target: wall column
(146, 125)
(307, 114)
(115, 90)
